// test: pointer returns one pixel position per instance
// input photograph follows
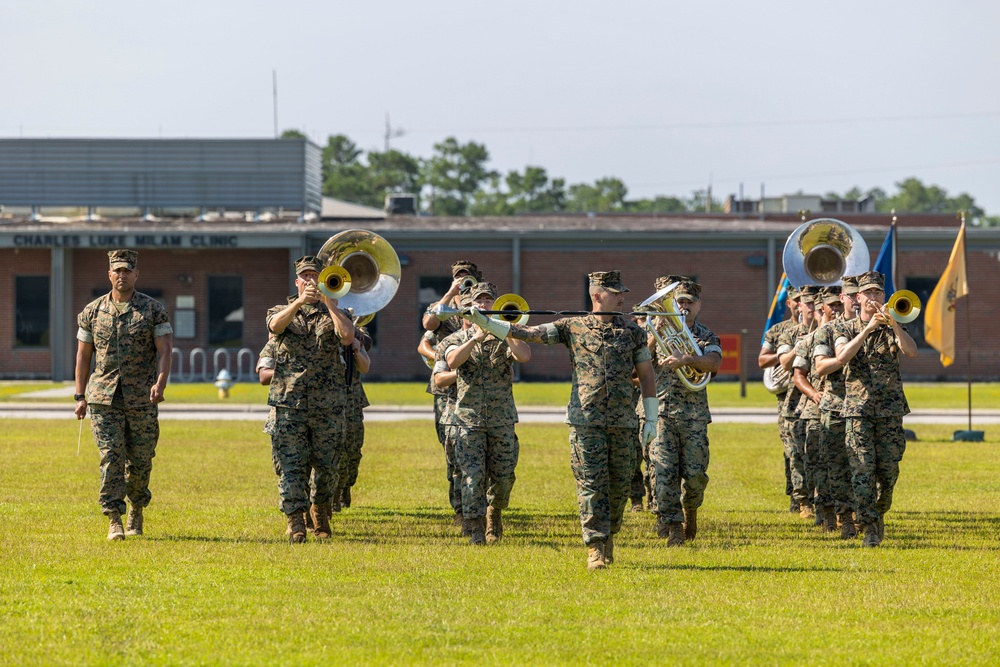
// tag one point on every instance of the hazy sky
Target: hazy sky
(667, 96)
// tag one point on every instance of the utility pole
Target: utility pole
(274, 87)
(390, 133)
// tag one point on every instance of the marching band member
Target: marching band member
(354, 419)
(604, 349)
(679, 454)
(874, 404)
(486, 445)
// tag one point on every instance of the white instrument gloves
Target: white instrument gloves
(496, 328)
(651, 407)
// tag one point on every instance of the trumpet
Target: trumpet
(903, 306)
(673, 336)
(466, 284)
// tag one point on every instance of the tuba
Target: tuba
(673, 336)
(777, 380)
(360, 269)
(822, 251)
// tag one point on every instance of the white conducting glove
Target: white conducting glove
(496, 328)
(651, 406)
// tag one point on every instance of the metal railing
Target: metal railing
(198, 369)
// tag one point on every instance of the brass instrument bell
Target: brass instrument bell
(513, 303)
(903, 306)
(822, 251)
(371, 265)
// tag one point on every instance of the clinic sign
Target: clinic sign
(104, 240)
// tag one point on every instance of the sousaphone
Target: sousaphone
(822, 251)
(360, 269)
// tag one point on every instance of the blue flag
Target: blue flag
(778, 306)
(886, 262)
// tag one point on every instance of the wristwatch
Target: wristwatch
(79, 397)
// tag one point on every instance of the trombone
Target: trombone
(903, 306)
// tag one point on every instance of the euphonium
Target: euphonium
(673, 336)
(903, 306)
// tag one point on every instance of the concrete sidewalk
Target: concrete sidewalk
(530, 414)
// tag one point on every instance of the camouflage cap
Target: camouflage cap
(466, 266)
(849, 285)
(689, 290)
(830, 294)
(123, 258)
(609, 280)
(479, 289)
(871, 279)
(307, 263)
(807, 293)
(464, 300)
(663, 281)
(793, 293)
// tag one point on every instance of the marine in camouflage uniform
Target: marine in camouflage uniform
(354, 421)
(265, 370)
(874, 404)
(464, 273)
(679, 454)
(131, 336)
(795, 446)
(768, 357)
(486, 445)
(309, 396)
(831, 410)
(813, 387)
(604, 350)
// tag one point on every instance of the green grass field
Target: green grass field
(721, 394)
(213, 581)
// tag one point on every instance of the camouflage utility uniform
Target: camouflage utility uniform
(680, 451)
(123, 419)
(444, 400)
(771, 344)
(601, 414)
(309, 397)
(874, 406)
(486, 446)
(833, 433)
(815, 445)
(794, 428)
(354, 427)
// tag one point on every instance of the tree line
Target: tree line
(456, 180)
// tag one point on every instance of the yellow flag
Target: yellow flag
(939, 317)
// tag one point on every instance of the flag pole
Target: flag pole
(967, 435)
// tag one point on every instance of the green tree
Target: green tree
(394, 171)
(344, 176)
(604, 196)
(293, 134)
(913, 196)
(453, 175)
(658, 204)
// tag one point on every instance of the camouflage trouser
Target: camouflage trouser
(680, 452)
(640, 484)
(840, 465)
(818, 463)
(307, 442)
(354, 440)
(795, 450)
(785, 435)
(875, 447)
(446, 436)
(126, 439)
(487, 457)
(602, 466)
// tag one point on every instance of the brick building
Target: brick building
(218, 272)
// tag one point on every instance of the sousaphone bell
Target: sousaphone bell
(822, 251)
(360, 269)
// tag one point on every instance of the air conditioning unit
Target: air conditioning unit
(401, 204)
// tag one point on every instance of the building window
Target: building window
(31, 311)
(225, 311)
(922, 287)
(432, 288)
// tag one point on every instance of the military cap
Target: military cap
(609, 280)
(807, 293)
(793, 293)
(830, 294)
(307, 263)
(871, 279)
(123, 258)
(464, 300)
(663, 281)
(849, 285)
(483, 288)
(689, 290)
(467, 266)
